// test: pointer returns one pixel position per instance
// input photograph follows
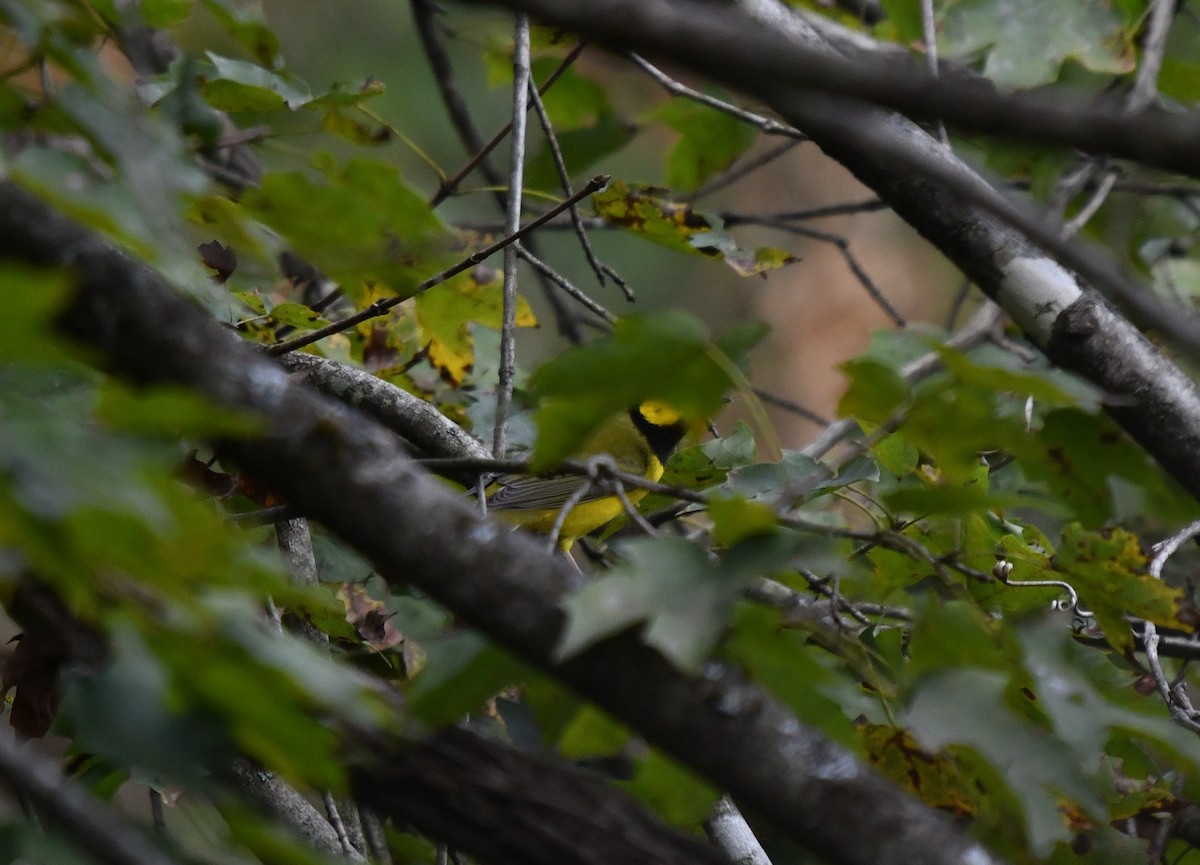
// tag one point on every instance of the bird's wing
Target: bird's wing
(523, 493)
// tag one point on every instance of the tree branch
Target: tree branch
(92, 825)
(341, 468)
(513, 808)
(720, 42)
(950, 205)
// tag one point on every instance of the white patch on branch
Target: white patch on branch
(1034, 291)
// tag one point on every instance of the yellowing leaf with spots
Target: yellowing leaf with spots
(1108, 569)
(445, 311)
(650, 212)
(934, 778)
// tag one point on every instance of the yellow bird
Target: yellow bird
(639, 443)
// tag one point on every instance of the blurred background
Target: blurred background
(819, 310)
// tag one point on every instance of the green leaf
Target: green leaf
(135, 683)
(967, 498)
(674, 792)
(580, 149)
(21, 842)
(1087, 698)
(342, 124)
(1006, 377)
(709, 141)
(164, 13)
(734, 450)
(463, 671)
(1108, 570)
(33, 299)
(667, 356)
(735, 519)
(171, 412)
(593, 733)
(954, 423)
(575, 101)
(1077, 454)
(667, 585)
(1026, 549)
(359, 223)
(186, 106)
(348, 95)
(245, 24)
(297, 315)
(1026, 42)
(253, 300)
(786, 662)
(745, 262)
(902, 21)
(955, 635)
(795, 474)
(239, 85)
(876, 390)
(692, 468)
(897, 454)
(969, 707)
(1179, 79)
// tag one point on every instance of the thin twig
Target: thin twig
(960, 297)
(790, 406)
(1164, 549)
(860, 273)
(632, 512)
(516, 184)
(264, 516)
(1072, 182)
(975, 331)
(564, 178)
(335, 820)
(561, 519)
(1154, 46)
(424, 12)
(380, 307)
(460, 117)
(1173, 695)
(769, 125)
(564, 283)
(867, 205)
(1094, 203)
(740, 170)
(373, 834)
(157, 818)
(447, 189)
(90, 824)
(1175, 698)
(929, 37)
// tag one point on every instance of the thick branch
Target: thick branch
(1148, 395)
(345, 470)
(719, 42)
(92, 825)
(513, 808)
(503, 805)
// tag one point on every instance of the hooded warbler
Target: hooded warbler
(638, 441)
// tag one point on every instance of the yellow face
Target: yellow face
(659, 412)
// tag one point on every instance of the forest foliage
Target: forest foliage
(957, 591)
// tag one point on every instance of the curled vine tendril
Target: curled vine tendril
(1004, 568)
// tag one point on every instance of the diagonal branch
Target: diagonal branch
(341, 468)
(92, 825)
(754, 56)
(949, 204)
